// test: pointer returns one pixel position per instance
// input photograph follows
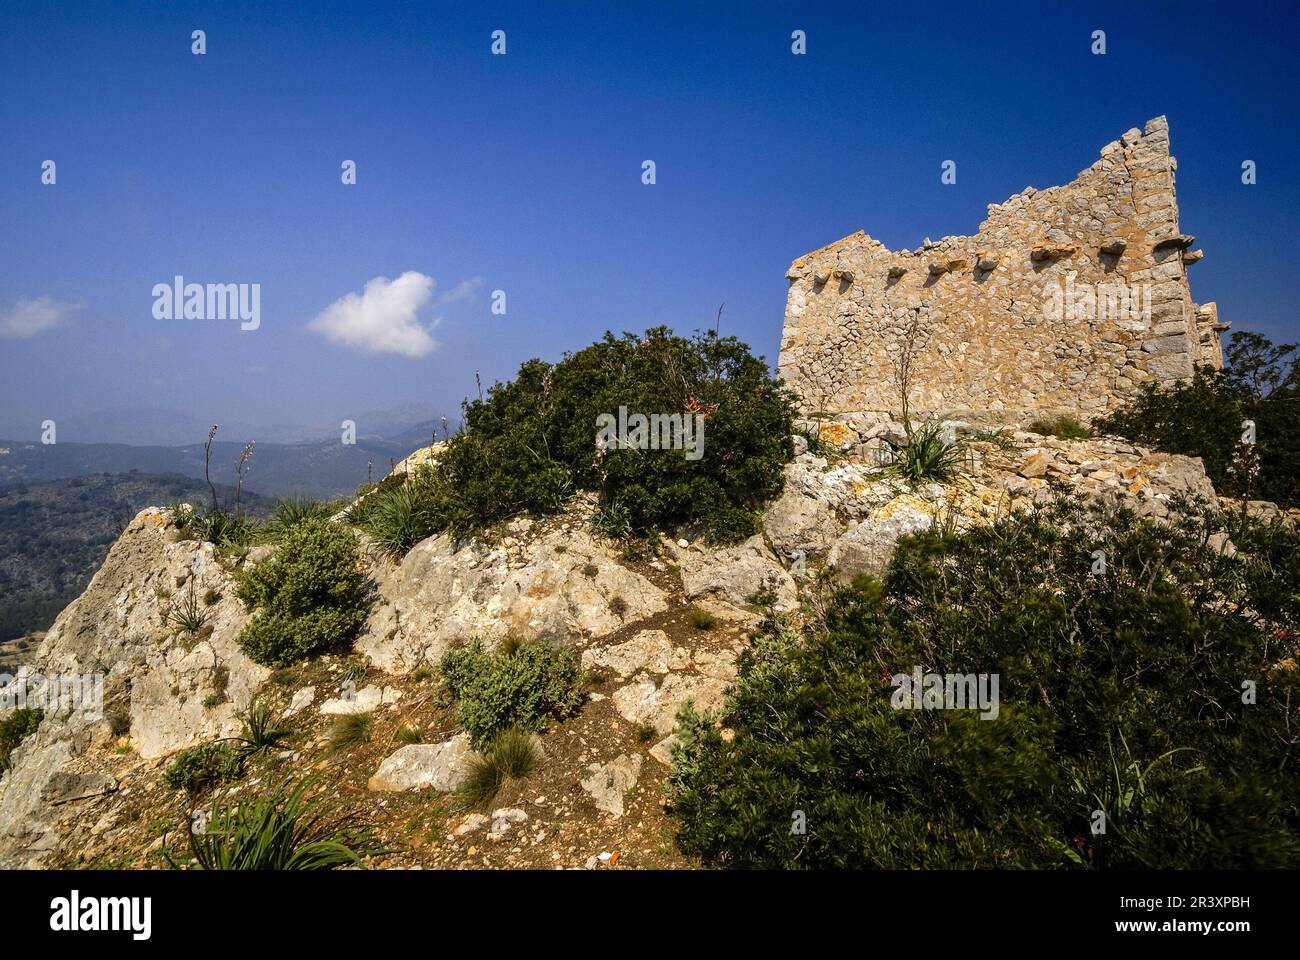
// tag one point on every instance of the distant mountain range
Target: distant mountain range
(148, 427)
(322, 469)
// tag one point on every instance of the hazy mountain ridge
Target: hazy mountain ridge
(323, 470)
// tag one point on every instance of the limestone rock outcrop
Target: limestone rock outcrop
(559, 585)
(162, 688)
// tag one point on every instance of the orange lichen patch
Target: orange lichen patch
(836, 434)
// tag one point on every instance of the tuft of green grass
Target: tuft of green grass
(284, 830)
(701, 619)
(612, 520)
(646, 733)
(396, 517)
(511, 756)
(927, 457)
(262, 729)
(350, 730)
(187, 614)
(510, 645)
(421, 674)
(617, 606)
(288, 513)
(408, 735)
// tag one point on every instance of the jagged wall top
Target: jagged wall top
(1065, 300)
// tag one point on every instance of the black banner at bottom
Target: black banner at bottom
(195, 909)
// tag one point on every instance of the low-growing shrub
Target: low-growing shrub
(306, 598)
(1119, 691)
(15, 727)
(203, 766)
(523, 688)
(1063, 427)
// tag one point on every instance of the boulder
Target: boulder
(64, 787)
(868, 545)
(734, 574)
(649, 650)
(800, 521)
(610, 782)
(418, 766)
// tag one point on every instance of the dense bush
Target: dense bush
(523, 685)
(532, 442)
(1203, 418)
(15, 727)
(1119, 691)
(307, 597)
(1063, 427)
(206, 765)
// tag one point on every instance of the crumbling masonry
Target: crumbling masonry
(1065, 301)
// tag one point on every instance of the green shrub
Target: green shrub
(15, 727)
(523, 687)
(532, 442)
(307, 597)
(284, 830)
(1119, 691)
(203, 766)
(928, 456)
(511, 755)
(1203, 418)
(1063, 427)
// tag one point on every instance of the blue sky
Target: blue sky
(523, 173)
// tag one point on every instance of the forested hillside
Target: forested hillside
(54, 535)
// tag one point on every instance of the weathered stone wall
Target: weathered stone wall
(1065, 301)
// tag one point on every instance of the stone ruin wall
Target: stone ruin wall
(990, 340)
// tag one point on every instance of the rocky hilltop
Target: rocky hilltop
(652, 628)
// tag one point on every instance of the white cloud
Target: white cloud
(465, 290)
(27, 317)
(382, 318)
